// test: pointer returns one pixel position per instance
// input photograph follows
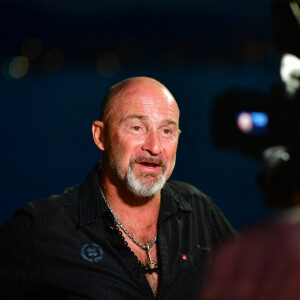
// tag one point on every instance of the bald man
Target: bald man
(126, 232)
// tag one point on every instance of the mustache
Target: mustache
(153, 160)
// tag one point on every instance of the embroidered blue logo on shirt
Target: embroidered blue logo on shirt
(92, 252)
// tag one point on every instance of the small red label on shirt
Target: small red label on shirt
(184, 257)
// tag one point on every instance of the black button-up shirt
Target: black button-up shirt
(67, 247)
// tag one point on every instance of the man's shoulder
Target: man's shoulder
(188, 192)
(56, 204)
(184, 188)
(204, 210)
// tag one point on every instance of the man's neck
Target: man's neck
(127, 206)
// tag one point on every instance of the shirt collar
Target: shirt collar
(91, 203)
(171, 202)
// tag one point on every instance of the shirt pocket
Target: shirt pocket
(190, 270)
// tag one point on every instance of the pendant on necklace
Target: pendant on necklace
(151, 264)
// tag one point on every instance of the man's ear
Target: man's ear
(98, 134)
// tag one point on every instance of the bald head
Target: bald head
(124, 86)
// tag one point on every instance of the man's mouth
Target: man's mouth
(149, 164)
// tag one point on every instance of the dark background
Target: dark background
(77, 49)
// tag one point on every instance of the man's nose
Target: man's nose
(152, 143)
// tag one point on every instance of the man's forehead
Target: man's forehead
(148, 96)
(147, 118)
(146, 110)
(148, 106)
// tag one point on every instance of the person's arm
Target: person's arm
(20, 262)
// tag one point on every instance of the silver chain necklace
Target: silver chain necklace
(151, 264)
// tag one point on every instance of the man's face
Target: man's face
(141, 136)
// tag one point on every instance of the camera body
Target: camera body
(250, 121)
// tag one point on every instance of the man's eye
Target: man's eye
(136, 129)
(167, 132)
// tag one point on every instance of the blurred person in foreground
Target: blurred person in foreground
(126, 231)
(264, 262)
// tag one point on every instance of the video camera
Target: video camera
(251, 121)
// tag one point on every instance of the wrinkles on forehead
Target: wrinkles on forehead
(169, 119)
(144, 97)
